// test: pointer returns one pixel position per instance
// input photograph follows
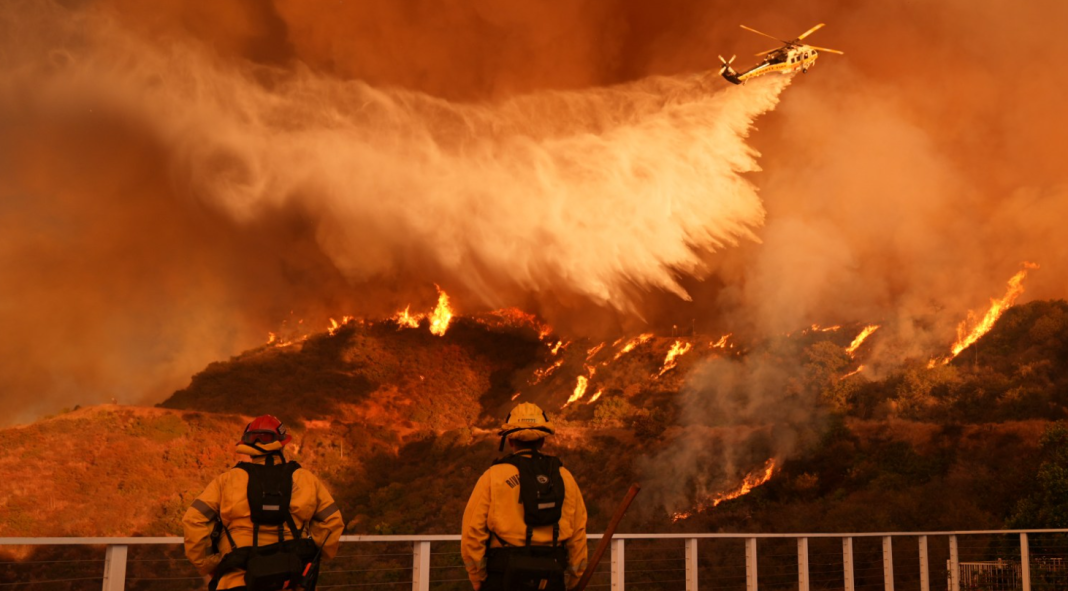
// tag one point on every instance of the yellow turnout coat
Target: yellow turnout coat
(225, 499)
(495, 506)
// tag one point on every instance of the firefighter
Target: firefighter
(226, 526)
(525, 523)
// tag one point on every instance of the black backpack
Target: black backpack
(541, 489)
(285, 564)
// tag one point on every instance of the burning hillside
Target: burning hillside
(387, 412)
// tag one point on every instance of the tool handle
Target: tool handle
(607, 538)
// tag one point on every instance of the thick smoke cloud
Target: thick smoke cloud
(524, 195)
(176, 178)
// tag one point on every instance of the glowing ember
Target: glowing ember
(818, 328)
(517, 317)
(677, 350)
(722, 342)
(441, 316)
(405, 320)
(751, 481)
(595, 396)
(593, 351)
(580, 390)
(864, 334)
(631, 344)
(559, 345)
(516, 395)
(854, 372)
(966, 337)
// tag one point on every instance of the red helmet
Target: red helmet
(265, 430)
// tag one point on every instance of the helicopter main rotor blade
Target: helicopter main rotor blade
(768, 51)
(809, 32)
(752, 30)
(827, 49)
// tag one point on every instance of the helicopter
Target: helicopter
(789, 58)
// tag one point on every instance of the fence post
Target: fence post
(751, 564)
(618, 565)
(1025, 562)
(847, 563)
(925, 573)
(691, 564)
(802, 564)
(954, 565)
(115, 568)
(421, 566)
(888, 563)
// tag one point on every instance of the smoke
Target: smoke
(734, 416)
(176, 178)
(905, 183)
(183, 197)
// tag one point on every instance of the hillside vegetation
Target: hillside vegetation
(400, 423)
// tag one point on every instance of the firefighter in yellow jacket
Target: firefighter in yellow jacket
(222, 518)
(519, 524)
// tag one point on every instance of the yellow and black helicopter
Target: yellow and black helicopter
(789, 58)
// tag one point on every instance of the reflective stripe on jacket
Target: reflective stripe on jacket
(495, 506)
(225, 498)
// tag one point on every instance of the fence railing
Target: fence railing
(962, 560)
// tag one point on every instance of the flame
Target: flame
(580, 390)
(818, 328)
(559, 345)
(336, 326)
(854, 372)
(677, 350)
(966, 338)
(722, 342)
(271, 338)
(596, 395)
(631, 344)
(593, 351)
(541, 374)
(405, 319)
(864, 334)
(441, 316)
(751, 481)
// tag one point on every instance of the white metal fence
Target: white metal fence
(965, 560)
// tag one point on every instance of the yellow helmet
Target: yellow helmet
(526, 422)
